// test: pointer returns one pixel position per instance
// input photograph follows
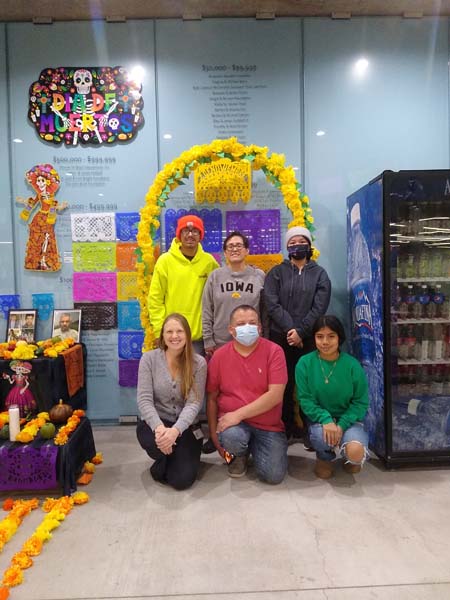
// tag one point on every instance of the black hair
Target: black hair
(238, 234)
(243, 307)
(333, 323)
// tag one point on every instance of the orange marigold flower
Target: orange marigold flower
(98, 459)
(4, 593)
(22, 560)
(49, 504)
(8, 504)
(12, 576)
(79, 413)
(33, 546)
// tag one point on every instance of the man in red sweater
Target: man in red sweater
(246, 381)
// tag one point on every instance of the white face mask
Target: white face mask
(247, 334)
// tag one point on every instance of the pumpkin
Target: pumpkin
(47, 431)
(60, 412)
(4, 432)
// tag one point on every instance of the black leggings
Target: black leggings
(292, 355)
(178, 469)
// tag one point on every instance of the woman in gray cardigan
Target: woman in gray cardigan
(171, 387)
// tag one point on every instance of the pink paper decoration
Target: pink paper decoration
(94, 287)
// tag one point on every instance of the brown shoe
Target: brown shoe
(238, 468)
(323, 469)
(350, 468)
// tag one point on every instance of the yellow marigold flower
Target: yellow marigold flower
(89, 467)
(42, 533)
(12, 576)
(22, 560)
(80, 498)
(24, 437)
(32, 546)
(51, 523)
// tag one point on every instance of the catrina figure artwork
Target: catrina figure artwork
(40, 212)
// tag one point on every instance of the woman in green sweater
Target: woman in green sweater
(333, 393)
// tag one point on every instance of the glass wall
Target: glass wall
(343, 100)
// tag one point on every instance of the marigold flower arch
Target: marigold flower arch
(172, 175)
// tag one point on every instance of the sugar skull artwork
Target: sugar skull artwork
(94, 105)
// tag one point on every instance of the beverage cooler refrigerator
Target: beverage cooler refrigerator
(399, 287)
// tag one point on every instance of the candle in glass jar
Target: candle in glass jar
(14, 422)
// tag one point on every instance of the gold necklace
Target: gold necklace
(327, 377)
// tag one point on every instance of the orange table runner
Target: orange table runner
(73, 360)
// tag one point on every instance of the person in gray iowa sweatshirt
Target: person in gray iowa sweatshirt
(229, 287)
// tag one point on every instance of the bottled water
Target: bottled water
(437, 344)
(360, 291)
(427, 337)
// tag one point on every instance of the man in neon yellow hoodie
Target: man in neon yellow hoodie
(179, 278)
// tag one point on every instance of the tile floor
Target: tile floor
(380, 535)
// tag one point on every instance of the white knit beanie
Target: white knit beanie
(293, 231)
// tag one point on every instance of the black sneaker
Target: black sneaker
(158, 470)
(208, 447)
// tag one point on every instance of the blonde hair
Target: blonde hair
(186, 358)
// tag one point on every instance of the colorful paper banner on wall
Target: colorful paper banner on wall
(87, 105)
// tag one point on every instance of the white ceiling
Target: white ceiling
(116, 10)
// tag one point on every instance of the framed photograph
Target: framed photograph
(21, 325)
(67, 324)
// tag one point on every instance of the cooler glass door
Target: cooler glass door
(419, 240)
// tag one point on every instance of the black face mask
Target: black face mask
(299, 251)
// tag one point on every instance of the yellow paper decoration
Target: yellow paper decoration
(264, 261)
(127, 286)
(223, 180)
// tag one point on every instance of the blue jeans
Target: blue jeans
(355, 433)
(268, 448)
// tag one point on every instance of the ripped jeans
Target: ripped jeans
(355, 433)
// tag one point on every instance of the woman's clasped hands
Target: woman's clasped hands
(165, 438)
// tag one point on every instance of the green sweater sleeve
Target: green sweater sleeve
(359, 402)
(306, 398)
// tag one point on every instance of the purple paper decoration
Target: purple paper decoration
(262, 227)
(212, 219)
(95, 287)
(127, 226)
(28, 468)
(9, 302)
(128, 373)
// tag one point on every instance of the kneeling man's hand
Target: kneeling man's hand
(227, 420)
